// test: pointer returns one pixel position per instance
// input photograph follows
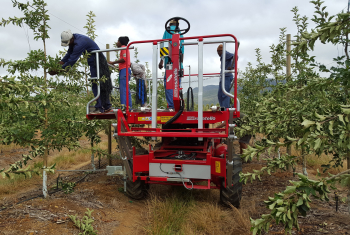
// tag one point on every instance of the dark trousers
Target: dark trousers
(99, 105)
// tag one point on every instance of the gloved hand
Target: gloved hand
(52, 72)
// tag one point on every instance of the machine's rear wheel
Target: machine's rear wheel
(136, 190)
(232, 194)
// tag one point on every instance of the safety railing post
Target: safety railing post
(149, 92)
(154, 88)
(189, 77)
(223, 62)
(200, 86)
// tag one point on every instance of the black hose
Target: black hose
(188, 99)
(177, 115)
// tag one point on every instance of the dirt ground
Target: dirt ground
(115, 213)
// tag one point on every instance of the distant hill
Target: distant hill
(210, 95)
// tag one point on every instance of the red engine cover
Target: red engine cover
(220, 150)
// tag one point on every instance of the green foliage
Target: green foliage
(67, 187)
(90, 27)
(35, 16)
(17, 167)
(305, 110)
(284, 163)
(40, 112)
(287, 205)
(85, 224)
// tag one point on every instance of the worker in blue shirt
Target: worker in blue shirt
(79, 44)
(169, 93)
(224, 100)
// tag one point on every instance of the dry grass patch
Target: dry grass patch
(167, 215)
(179, 211)
(67, 160)
(17, 183)
(315, 162)
(63, 160)
(209, 218)
(9, 147)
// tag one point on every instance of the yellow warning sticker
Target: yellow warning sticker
(217, 167)
(165, 118)
(164, 51)
(160, 118)
(140, 119)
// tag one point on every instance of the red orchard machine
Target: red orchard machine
(190, 153)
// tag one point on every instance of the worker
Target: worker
(224, 100)
(123, 66)
(139, 72)
(79, 44)
(244, 140)
(169, 92)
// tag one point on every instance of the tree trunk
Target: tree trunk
(45, 193)
(46, 152)
(92, 156)
(349, 200)
(304, 166)
(86, 80)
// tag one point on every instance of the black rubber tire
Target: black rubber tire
(136, 190)
(231, 195)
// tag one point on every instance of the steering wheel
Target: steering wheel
(177, 29)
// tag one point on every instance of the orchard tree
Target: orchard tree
(40, 112)
(306, 110)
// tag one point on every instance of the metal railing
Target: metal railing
(200, 42)
(98, 73)
(223, 72)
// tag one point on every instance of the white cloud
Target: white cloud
(255, 24)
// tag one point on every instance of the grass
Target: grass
(67, 160)
(9, 147)
(18, 182)
(167, 215)
(180, 211)
(63, 160)
(315, 162)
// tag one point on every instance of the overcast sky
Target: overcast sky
(255, 23)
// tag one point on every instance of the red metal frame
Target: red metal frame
(176, 38)
(205, 154)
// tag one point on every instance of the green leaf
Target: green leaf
(279, 202)
(317, 143)
(306, 123)
(341, 118)
(345, 110)
(321, 117)
(290, 189)
(300, 202)
(330, 127)
(288, 215)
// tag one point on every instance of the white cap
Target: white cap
(66, 37)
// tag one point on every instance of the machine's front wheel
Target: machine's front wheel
(136, 190)
(231, 195)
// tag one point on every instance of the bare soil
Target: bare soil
(115, 213)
